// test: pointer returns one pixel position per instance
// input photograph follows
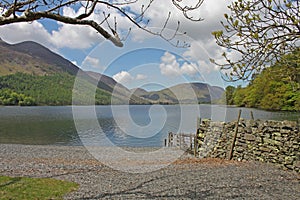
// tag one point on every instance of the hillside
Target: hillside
(120, 94)
(26, 89)
(183, 93)
(32, 58)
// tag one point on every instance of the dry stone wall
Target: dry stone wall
(269, 141)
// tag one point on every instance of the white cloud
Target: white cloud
(199, 32)
(71, 36)
(206, 67)
(171, 67)
(168, 58)
(70, 12)
(91, 62)
(201, 54)
(19, 32)
(188, 69)
(67, 35)
(75, 62)
(83, 37)
(123, 77)
(210, 11)
(141, 77)
(74, 36)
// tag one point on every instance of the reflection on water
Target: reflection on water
(136, 125)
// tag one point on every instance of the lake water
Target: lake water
(134, 125)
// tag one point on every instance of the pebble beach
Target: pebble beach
(185, 178)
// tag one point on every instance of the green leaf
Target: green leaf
(255, 35)
(236, 23)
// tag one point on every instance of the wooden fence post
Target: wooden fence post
(252, 116)
(235, 134)
(198, 122)
(195, 144)
(196, 136)
(191, 142)
(170, 138)
(179, 140)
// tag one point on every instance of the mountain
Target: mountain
(139, 92)
(119, 91)
(182, 93)
(110, 82)
(32, 58)
(31, 71)
(48, 78)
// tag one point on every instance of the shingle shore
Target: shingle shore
(186, 178)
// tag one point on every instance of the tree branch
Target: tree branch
(30, 10)
(261, 32)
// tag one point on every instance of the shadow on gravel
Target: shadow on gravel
(172, 192)
(194, 190)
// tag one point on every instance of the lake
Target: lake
(122, 125)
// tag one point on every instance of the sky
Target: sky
(145, 61)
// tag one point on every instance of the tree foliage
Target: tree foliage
(24, 89)
(9, 98)
(229, 91)
(105, 22)
(257, 33)
(276, 88)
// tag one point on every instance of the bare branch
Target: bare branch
(17, 11)
(260, 32)
(87, 14)
(186, 9)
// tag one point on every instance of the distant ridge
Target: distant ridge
(182, 93)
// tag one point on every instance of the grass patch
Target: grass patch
(34, 188)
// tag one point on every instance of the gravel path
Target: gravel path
(186, 178)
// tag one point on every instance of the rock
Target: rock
(277, 134)
(297, 163)
(288, 160)
(259, 140)
(296, 146)
(291, 167)
(249, 137)
(268, 141)
(278, 143)
(285, 131)
(265, 149)
(239, 149)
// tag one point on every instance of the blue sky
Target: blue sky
(145, 61)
